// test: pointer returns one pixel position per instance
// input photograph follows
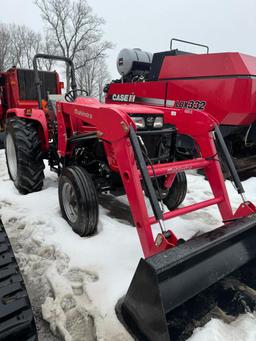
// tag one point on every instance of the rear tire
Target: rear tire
(78, 200)
(23, 155)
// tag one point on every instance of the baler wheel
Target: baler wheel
(78, 200)
(23, 155)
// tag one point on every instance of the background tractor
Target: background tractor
(222, 84)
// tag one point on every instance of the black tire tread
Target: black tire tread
(177, 192)
(29, 155)
(91, 197)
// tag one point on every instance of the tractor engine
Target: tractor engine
(157, 138)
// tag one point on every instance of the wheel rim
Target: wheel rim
(70, 202)
(11, 156)
(163, 193)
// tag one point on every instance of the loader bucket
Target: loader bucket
(167, 280)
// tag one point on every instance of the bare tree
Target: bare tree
(25, 43)
(18, 45)
(103, 78)
(48, 46)
(93, 76)
(75, 29)
(5, 44)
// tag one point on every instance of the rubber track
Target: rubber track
(16, 316)
(2, 137)
(226, 300)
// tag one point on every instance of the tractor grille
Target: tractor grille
(27, 89)
(160, 144)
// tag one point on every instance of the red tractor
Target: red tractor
(96, 148)
(222, 84)
(20, 99)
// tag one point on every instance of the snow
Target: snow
(243, 329)
(75, 282)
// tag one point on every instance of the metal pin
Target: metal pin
(243, 198)
(162, 226)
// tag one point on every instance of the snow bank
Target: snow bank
(243, 329)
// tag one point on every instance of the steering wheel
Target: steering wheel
(72, 94)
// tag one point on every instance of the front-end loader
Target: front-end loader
(97, 148)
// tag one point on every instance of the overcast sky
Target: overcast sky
(225, 25)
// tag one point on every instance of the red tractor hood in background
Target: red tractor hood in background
(208, 65)
(222, 84)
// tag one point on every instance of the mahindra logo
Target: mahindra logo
(82, 113)
(150, 119)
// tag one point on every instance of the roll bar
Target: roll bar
(68, 61)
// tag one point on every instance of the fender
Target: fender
(38, 116)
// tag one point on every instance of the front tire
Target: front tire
(172, 197)
(78, 200)
(177, 193)
(23, 155)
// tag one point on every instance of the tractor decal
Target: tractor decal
(192, 104)
(123, 98)
(135, 99)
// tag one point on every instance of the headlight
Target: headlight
(139, 122)
(159, 122)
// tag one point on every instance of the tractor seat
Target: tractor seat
(52, 100)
